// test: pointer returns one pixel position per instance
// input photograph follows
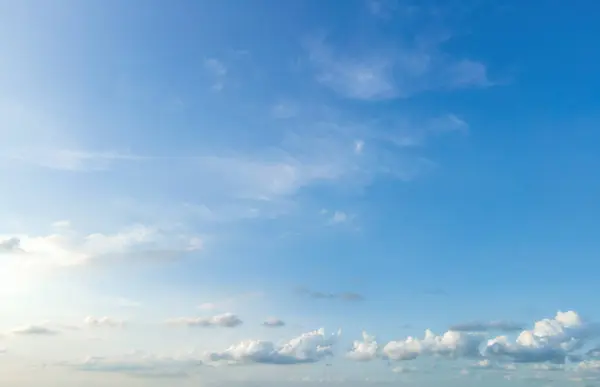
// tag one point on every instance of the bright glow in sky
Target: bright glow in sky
(299, 193)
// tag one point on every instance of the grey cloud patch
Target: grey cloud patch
(594, 353)
(10, 245)
(35, 330)
(501, 326)
(345, 296)
(273, 323)
(226, 320)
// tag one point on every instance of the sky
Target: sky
(299, 193)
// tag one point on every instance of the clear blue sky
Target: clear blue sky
(202, 182)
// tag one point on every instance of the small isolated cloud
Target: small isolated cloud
(218, 71)
(139, 365)
(359, 145)
(339, 217)
(104, 322)
(364, 350)
(309, 347)
(273, 322)
(345, 296)
(500, 326)
(35, 330)
(227, 320)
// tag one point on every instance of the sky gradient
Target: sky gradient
(294, 192)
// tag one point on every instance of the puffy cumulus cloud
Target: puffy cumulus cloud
(273, 322)
(451, 344)
(103, 322)
(309, 347)
(140, 365)
(35, 330)
(228, 320)
(550, 340)
(66, 246)
(364, 350)
(501, 326)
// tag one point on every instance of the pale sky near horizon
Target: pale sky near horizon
(294, 193)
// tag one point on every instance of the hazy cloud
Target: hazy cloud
(345, 296)
(501, 326)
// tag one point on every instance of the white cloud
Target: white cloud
(67, 247)
(413, 68)
(309, 347)
(364, 350)
(228, 320)
(273, 322)
(358, 78)
(339, 217)
(104, 322)
(450, 344)
(550, 340)
(358, 146)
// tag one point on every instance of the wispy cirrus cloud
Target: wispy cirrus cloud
(416, 67)
(105, 321)
(218, 71)
(67, 247)
(139, 365)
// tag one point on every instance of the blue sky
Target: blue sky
(193, 190)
